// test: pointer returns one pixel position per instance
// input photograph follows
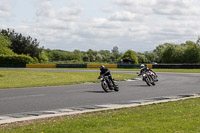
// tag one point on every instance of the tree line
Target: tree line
(13, 43)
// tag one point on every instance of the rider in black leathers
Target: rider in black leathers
(145, 69)
(106, 72)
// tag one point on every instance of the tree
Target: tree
(191, 53)
(21, 44)
(86, 58)
(115, 53)
(78, 55)
(92, 55)
(159, 49)
(99, 58)
(4, 45)
(150, 56)
(115, 50)
(173, 54)
(105, 54)
(198, 41)
(142, 58)
(43, 57)
(130, 55)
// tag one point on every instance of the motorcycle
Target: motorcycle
(107, 84)
(154, 76)
(147, 77)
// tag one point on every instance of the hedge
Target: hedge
(176, 66)
(16, 59)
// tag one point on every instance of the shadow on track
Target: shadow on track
(96, 91)
(140, 85)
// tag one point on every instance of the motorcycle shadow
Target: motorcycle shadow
(140, 85)
(96, 91)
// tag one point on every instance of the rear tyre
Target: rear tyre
(116, 87)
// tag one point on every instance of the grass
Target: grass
(178, 70)
(172, 117)
(19, 79)
(165, 70)
(123, 69)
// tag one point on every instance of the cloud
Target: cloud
(134, 2)
(107, 9)
(132, 24)
(176, 9)
(69, 13)
(5, 6)
(5, 9)
(48, 10)
(122, 16)
(45, 9)
(129, 24)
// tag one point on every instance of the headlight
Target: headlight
(101, 78)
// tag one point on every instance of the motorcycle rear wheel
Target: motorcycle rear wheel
(116, 87)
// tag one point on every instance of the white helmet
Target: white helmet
(142, 66)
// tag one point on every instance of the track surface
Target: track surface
(57, 97)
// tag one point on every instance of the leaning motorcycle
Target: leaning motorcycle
(107, 84)
(146, 76)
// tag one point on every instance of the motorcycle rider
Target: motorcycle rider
(145, 69)
(106, 72)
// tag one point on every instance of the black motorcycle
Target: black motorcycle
(107, 84)
(147, 77)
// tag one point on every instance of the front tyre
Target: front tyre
(104, 86)
(147, 81)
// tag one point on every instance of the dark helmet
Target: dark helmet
(102, 67)
(142, 66)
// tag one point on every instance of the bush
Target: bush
(4, 45)
(130, 55)
(16, 59)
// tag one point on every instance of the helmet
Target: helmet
(142, 66)
(102, 67)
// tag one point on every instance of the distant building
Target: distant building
(126, 61)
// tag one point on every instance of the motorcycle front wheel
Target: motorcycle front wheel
(147, 81)
(104, 86)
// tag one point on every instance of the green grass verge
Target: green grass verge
(122, 69)
(19, 79)
(165, 70)
(178, 70)
(172, 117)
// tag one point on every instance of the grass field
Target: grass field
(19, 79)
(172, 117)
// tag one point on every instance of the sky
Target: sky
(138, 25)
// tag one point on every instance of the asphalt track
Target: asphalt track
(18, 100)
